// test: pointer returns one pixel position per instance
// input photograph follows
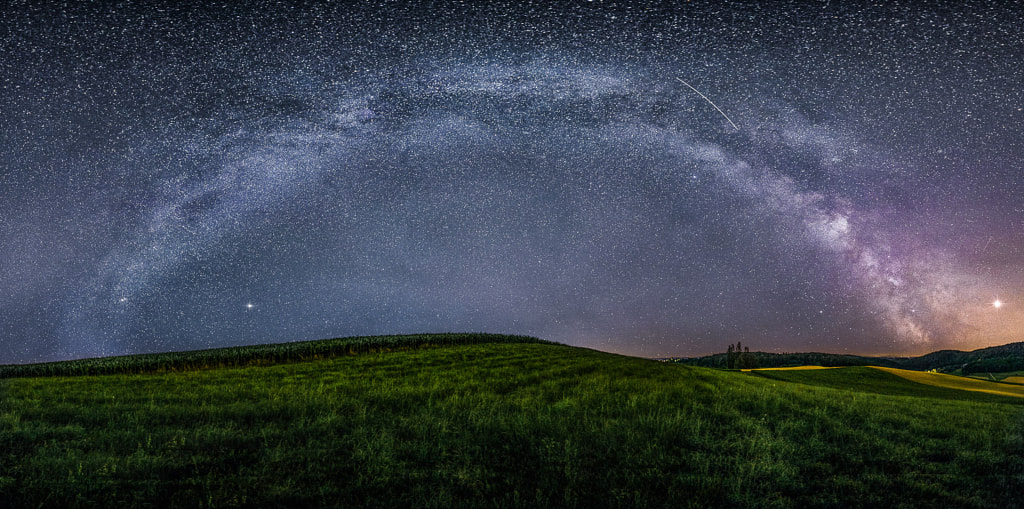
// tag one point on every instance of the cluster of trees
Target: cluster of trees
(739, 357)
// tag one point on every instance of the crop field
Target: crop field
(958, 382)
(925, 378)
(504, 424)
(252, 355)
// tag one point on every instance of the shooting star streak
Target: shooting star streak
(709, 102)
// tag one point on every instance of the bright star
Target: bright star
(997, 304)
(250, 305)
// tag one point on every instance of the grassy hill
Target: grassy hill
(503, 424)
(252, 355)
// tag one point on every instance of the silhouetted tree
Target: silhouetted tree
(739, 357)
(746, 360)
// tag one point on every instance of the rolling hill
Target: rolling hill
(506, 423)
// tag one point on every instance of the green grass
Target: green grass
(216, 358)
(877, 381)
(958, 382)
(501, 425)
(1008, 376)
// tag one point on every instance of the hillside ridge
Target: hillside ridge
(995, 359)
(237, 356)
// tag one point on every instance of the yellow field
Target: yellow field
(792, 367)
(1014, 379)
(958, 382)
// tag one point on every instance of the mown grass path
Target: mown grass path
(500, 425)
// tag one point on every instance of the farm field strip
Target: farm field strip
(957, 382)
(933, 379)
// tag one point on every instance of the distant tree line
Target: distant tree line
(739, 357)
(998, 359)
(778, 360)
(994, 365)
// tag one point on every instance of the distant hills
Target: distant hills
(995, 359)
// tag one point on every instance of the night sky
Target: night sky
(839, 178)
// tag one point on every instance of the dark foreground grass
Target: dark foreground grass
(496, 425)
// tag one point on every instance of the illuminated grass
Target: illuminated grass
(958, 382)
(934, 379)
(502, 425)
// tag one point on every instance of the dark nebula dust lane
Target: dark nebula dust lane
(648, 178)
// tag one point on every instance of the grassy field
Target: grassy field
(504, 425)
(1013, 377)
(788, 368)
(958, 382)
(253, 355)
(860, 377)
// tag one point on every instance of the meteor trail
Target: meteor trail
(709, 102)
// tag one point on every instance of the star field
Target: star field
(647, 178)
